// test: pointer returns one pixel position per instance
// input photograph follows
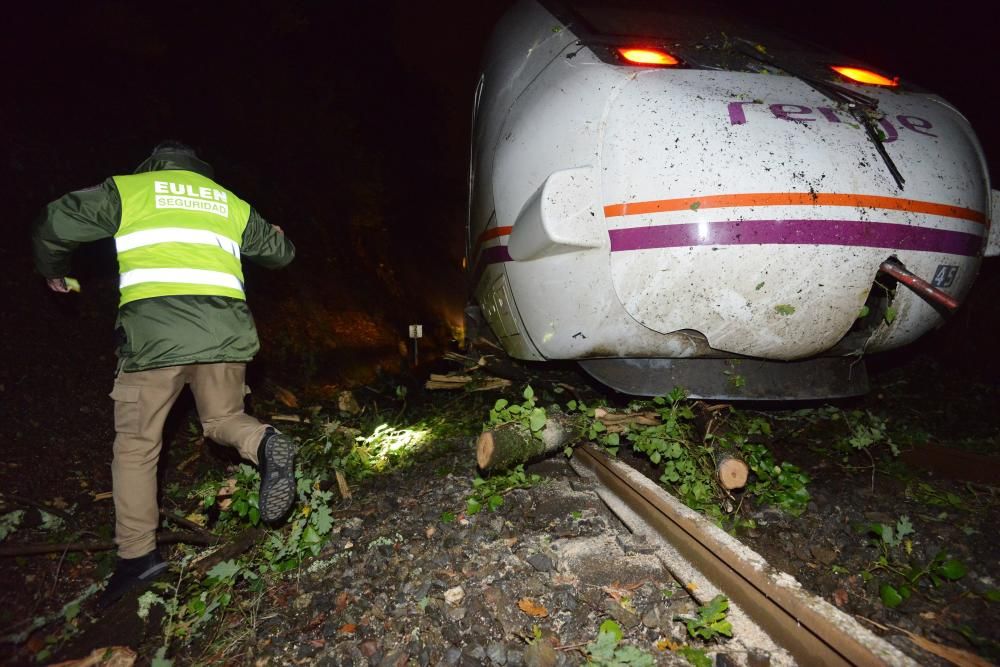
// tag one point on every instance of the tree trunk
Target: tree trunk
(507, 445)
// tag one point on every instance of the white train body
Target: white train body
(640, 215)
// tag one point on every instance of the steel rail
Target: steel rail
(794, 621)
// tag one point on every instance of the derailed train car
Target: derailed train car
(674, 201)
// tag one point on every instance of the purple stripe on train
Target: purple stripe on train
(805, 232)
(494, 254)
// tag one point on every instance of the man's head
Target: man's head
(171, 146)
(172, 154)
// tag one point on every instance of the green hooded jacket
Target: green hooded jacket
(168, 330)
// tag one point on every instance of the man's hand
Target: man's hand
(57, 285)
(278, 229)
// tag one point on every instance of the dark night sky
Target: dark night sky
(332, 117)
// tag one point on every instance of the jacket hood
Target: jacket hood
(168, 159)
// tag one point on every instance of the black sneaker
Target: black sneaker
(131, 573)
(276, 461)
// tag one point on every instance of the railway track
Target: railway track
(809, 629)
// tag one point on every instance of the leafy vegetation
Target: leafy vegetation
(688, 459)
(710, 623)
(901, 574)
(489, 492)
(607, 650)
(526, 413)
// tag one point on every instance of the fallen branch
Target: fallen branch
(243, 541)
(490, 384)
(437, 381)
(21, 500)
(186, 523)
(184, 537)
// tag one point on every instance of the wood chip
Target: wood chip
(286, 397)
(532, 608)
(490, 384)
(111, 656)
(345, 490)
(286, 418)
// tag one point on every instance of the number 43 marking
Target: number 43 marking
(945, 275)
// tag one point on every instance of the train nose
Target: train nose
(759, 216)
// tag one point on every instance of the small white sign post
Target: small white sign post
(416, 333)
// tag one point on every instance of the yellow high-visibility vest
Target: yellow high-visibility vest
(180, 233)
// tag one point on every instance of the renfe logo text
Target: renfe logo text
(799, 113)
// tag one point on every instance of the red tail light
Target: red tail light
(648, 57)
(860, 75)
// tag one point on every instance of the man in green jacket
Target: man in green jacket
(183, 319)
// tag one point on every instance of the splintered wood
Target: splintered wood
(462, 379)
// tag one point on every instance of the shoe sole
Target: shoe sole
(153, 572)
(277, 492)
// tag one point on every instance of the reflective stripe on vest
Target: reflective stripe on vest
(179, 234)
(176, 235)
(188, 276)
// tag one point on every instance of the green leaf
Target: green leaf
(310, 536)
(571, 406)
(695, 656)
(890, 315)
(473, 506)
(759, 285)
(536, 422)
(529, 393)
(784, 309)
(722, 628)
(494, 502)
(903, 527)
(322, 519)
(224, 570)
(992, 595)
(890, 596)
(613, 628)
(952, 569)
(500, 404)
(695, 206)
(863, 312)
(568, 451)
(447, 517)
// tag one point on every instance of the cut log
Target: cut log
(510, 444)
(732, 473)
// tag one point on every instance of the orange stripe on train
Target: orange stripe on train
(794, 199)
